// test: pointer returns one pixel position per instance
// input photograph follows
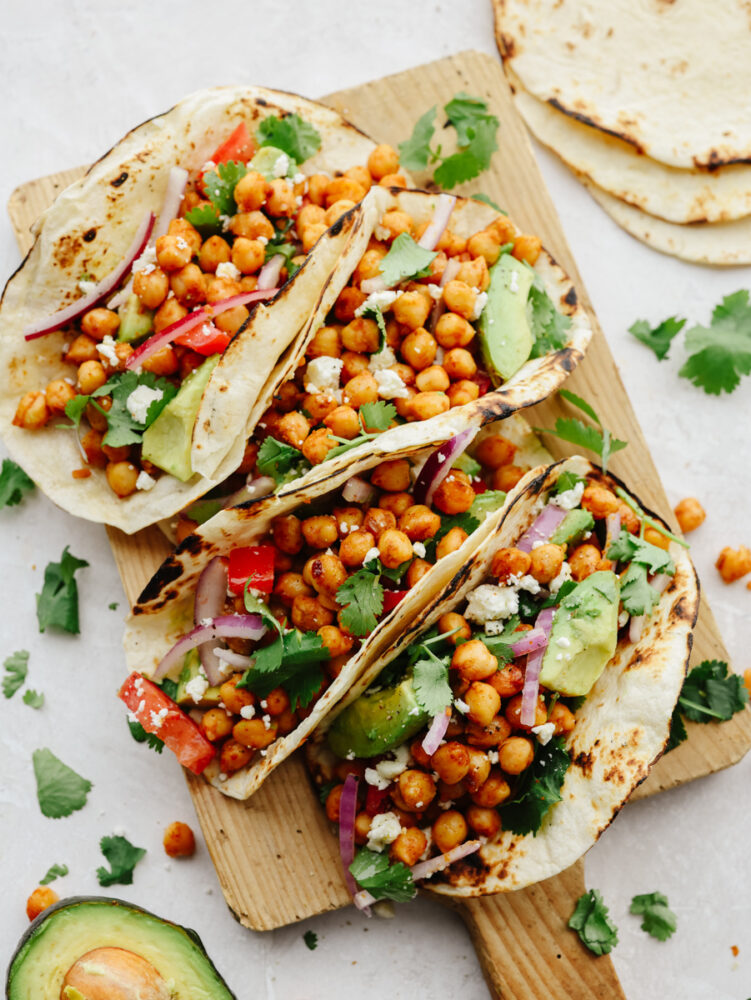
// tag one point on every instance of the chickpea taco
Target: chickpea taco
(437, 305)
(260, 623)
(513, 717)
(144, 278)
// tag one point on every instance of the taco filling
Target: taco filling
(141, 343)
(467, 731)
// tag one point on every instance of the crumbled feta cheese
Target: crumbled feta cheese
(563, 577)
(480, 302)
(493, 756)
(569, 499)
(461, 706)
(86, 286)
(108, 352)
(226, 221)
(384, 829)
(323, 374)
(248, 711)
(390, 769)
(197, 687)
(132, 717)
(435, 291)
(138, 402)
(622, 618)
(228, 270)
(146, 262)
(381, 232)
(374, 553)
(545, 732)
(377, 300)
(222, 776)
(181, 243)
(263, 240)
(266, 720)
(490, 603)
(157, 718)
(390, 385)
(419, 549)
(373, 778)
(281, 165)
(383, 359)
(527, 583)
(298, 179)
(145, 481)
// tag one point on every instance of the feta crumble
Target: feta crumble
(248, 711)
(490, 603)
(419, 549)
(387, 770)
(377, 300)
(146, 262)
(281, 166)
(323, 374)
(374, 553)
(228, 270)
(138, 402)
(390, 385)
(108, 352)
(145, 481)
(384, 830)
(563, 577)
(87, 286)
(479, 305)
(545, 732)
(383, 359)
(373, 778)
(461, 706)
(569, 499)
(197, 687)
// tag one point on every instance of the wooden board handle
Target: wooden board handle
(526, 949)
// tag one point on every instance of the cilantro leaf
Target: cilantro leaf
(60, 790)
(431, 685)
(405, 259)
(292, 134)
(361, 596)
(280, 460)
(220, 185)
(377, 416)
(375, 312)
(140, 735)
(567, 481)
(311, 940)
(122, 857)
(591, 920)
(660, 337)
(113, 605)
(638, 596)
(582, 435)
(474, 158)
(122, 426)
(631, 548)
(13, 484)
(292, 660)
(538, 790)
(16, 667)
(75, 409)
(373, 872)
(57, 604)
(721, 353)
(415, 152)
(678, 732)
(487, 201)
(34, 699)
(53, 872)
(549, 326)
(659, 920)
(205, 218)
(711, 692)
(464, 112)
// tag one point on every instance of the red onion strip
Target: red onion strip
(228, 626)
(232, 658)
(347, 813)
(636, 627)
(427, 868)
(438, 465)
(440, 221)
(660, 582)
(269, 273)
(530, 642)
(531, 687)
(542, 527)
(437, 731)
(450, 271)
(102, 289)
(211, 593)
(363, 901)
(357, 490)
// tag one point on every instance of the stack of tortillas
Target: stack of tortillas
(649, 103)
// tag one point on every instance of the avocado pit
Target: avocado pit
(113, 974)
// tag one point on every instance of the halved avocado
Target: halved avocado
(172, 956)
(377, 721)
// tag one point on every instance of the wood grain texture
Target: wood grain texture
(280, 837)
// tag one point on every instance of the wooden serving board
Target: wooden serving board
(281, 836)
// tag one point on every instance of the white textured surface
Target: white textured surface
(78, 74)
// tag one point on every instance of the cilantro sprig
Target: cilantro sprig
(140, 735)
(122, 426)
(280, 461)
(53, 872)
(431, 683)
(361, 597)
(60, 791)
(660, 337)
(311, 940)
(538, 790)
(637, 594)
(483, 505)
(34, 699)
(373, 872)
(576, 432)
(57, 604)
(292, 134)
(16, 667)
(405, 259)
(549, 326)
(122, 858)
(710, 693)
(659, 920)
(13, 484)
(374, 419)
(591, 921)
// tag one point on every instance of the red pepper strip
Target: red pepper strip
(391, 598)
(479, 486)
(205, 339)
(376, 800)
(238, 146)
(253, 566)
(179, 732)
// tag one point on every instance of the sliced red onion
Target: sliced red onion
(660, 582)
(531, 688)
(636, 627)
(225, 627)
(363, 900)
(269, 273)
(531, 640)
(102, 288)
(232, 658)
(211, 593)
(241, 300)
(437, 227)
(254, 489)
(347, 813)
(450, 271)
(612, 528)
(542, 527)
(427, 868)
(371, 285)
(435, 734)
(173, 196)
(438, 465)
(357, 490)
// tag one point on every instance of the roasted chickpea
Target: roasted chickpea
(336, 210)
(451, 243)
(479, 769)
(419, 523)
(327, 573)
(317, 184)
(455, 494)
(218, 289)
(348, 519)
(397, 503)
(599, 501)
(319, 406)
(485, 244)
(320, 531)
(361, 389)
(326, 343)
(584, 561)
(333, 801)
(57, 394)
(404, 404)
(119, 454)
(392, 475)
(503, 228)
(189, 285)
(361, 335)
(510, 562)
(186, 231)
(460, 298)
(451, 541)
(689, 514)
(546, 562)
(409, 846)
(82, 348)
(419, 349)
(656, 538)
(484, 822)
(515, 754)
(458, 363)
(254, 733)
(395, 548)
(276, 702)
(474, 661)
(475, 273)
(32, 411)
(151, 287)
(168, 313)
(309, 614)
(280, 199)
(513, 713)
(433, 379)
(91, 442)
(252, 225)
(417, 789)
(494, 451)
(349, 301)
(353, 365)
(233, 756)
(100, 323)
(425, 405)
(179, 841)
(309, 214)
(121, 477)
(309, 236)
(216, 724)
(462, 392)
(362, 827)
(162, 362)
(173, 252)
(291, 585)
(493, 792)
(40, 900)
(377, 521)
(507, 477)
(508, 681)
(233, 697)
(250, 191)
(369, 265)
(395, 223)
(449, 830)
(412, 309)
(492, 735)
(248, 256)
(734, 563)
(293, 428)
(527, 248)
(455, 623)
(288, 534)
(96, 419)
(382, 161)
(453, 331)
(418, 754)
(484, 702)
(451, 762)
(337, 643)
(213, 252)
(563, 718)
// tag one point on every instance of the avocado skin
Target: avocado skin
(378, 721)
(588, 618)
(506, 338)
(39, 927)
(574, 525)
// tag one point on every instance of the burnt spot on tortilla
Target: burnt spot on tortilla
(585, 762)
(585, 119)
(89, 235)
(120, 179)
(262, 101)
(508, 46)
(67, 250)
(570, 298)
(168, 572)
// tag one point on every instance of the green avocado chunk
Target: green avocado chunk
(265, 162)
(166, 954)
(167, 441)
(506, 337)
(135, 321)
(573, 527)
(584, 635)
(377, 721)
(191, 666)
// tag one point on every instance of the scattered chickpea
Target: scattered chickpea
(179, 841)
(546, 562)
(599, 501)
(474, 661)
(419, 522)
(122, 477)
(456, 623)
(734, 563)
(349, 301)
(254, 733)
(417, 789)
(507, 477)
(455, 494)
(492, 792)
(483, 822)
(40, 900)
(689, 514)
(234, 756)
(32, 411)
(510, 562)
(451, 541)
(216, 724)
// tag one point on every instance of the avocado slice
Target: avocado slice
(167, 441)
(191, 666)
(584, 635)
(265, 161)
(377, 721)
(506, 339)
(573, 527)
(74, 927)
(135, 321)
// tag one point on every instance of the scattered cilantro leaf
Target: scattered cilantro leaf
(53, 872)
(34, 699)
(57, 604)
(488, 201)
(711, 692)
(361, 596)
(13, 484)
(415, 152)
(205, 218)
(464, 112)
(140, 735)
(75, 409)
(122, 857)
(538, 789)
(16, 667)
(60, 790)
(659, 920)
(220, 185)
(660, 337)
(373, 872)
(678, 732)
(630, 548)
(311, 940)
(549, 326)
(405, 259)
(470, 161)
(293, 660)
(591, 920)
(582, 435)
(113, 605)
(721, 353)
(292, 134)
(638, 596)
(170, 687)
(431, 684)
(280, 460)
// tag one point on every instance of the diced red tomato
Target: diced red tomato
(391, 598)
(479, 486)
(238, 146)
(205, 339)
(180, 733)
(483, 381)
(253, 565)
(376, 800)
